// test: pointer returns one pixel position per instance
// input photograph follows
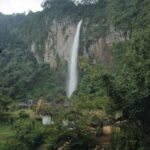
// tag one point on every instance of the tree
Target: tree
(4, 101)
(88, 2)
(129, 88)
(90, 93)
(57, 4)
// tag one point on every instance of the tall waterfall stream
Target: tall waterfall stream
(73, 69)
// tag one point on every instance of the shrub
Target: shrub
(23, 114)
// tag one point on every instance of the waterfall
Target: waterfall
(73, 70)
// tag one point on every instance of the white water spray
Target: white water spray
(73, 70)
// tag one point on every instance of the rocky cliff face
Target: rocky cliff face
(57, 45)
(59, 42)
(100, 51)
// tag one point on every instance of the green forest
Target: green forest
(109, 110)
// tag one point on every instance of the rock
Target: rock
(96, 123)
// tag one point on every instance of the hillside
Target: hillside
(29, 43)
(114, 76)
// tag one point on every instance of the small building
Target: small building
(26, 104)
(31, 103)
(22, 105)
(46, 118)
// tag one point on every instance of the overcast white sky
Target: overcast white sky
(19, 6)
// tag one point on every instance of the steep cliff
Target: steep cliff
(59, 42)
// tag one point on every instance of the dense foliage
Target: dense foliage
(124, 88)
(17, 63)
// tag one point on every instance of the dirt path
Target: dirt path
(107, 130)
